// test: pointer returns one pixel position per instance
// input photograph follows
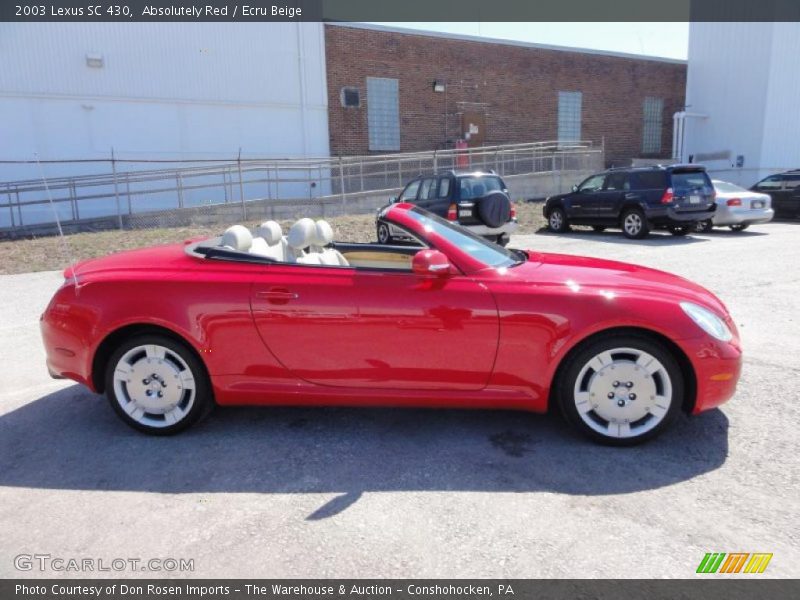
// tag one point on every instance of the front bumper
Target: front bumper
(717, 367)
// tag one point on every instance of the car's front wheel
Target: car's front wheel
(557, 220)
(157, 385)
(706, 226)
(634, 224)
(384, 235)
(621, 390)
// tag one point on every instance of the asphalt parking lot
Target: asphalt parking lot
(396, 493)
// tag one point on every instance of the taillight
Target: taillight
(734, 202)
(452, 213)
(513, 211)
(667, 197)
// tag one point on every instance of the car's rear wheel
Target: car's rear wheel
(384, 235)
(740, 226)
(557, 220)
(502, 240)
(634, 224)
(621, 390)
(157, 385)
(679, 229)
(706, 226)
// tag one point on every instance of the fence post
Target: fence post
(10, 206)
(435, 162)
(116, 187)
(341, 183)
(241, 185)
(179, 182)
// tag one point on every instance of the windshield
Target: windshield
(478, 186)
(478, 248)
(724, 186)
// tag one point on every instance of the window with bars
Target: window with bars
(653, 110)
(569, 116)
(383, 113)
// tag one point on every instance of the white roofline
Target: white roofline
(486, 40)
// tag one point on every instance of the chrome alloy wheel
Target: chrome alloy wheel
(623, 392)
(154, 385)
(633, 224)
(556, 220)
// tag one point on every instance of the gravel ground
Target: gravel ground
(48, 253)
(395, 493)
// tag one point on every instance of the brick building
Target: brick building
(397, 90)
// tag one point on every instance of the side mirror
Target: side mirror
(430, 262)
(575, 188)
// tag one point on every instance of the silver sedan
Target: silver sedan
(738, 208)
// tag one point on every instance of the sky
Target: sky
(669, 40)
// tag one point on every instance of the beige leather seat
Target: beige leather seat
(269, 242)
(237, 237)
(323, 237)
(301, 236)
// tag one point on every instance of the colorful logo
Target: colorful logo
(735, 562)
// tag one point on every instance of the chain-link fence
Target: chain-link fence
(136, 194)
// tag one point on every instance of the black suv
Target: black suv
(636, 199)
(784, 189)
(477, 200)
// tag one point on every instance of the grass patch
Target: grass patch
(48, 253)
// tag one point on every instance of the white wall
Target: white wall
(742, 76)
(166, 90)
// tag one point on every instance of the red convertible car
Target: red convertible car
(261, 318)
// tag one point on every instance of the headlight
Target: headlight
(708, 321)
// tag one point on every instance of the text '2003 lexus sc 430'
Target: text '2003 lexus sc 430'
(168, 332)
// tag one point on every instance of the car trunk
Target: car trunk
(692, 190)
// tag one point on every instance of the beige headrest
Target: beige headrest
(324, 233)
(237, 237)
(302, 234)
(270, 231)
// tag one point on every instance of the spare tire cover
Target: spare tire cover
(495, 209)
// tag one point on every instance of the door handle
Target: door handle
(631, 196)
(277, 295)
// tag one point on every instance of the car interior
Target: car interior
(308, 242)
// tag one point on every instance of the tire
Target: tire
(557, 220)
(502, 240)
(634, 224)
(679, 230)
(180, 379)
(740, 226)
(384, 234)
(494, 209)
(621, 390)
(598, 228)
(706, 226)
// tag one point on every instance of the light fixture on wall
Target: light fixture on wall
(438, 85)
(94, 60)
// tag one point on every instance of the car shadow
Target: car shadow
(72, 440)
(613, 236)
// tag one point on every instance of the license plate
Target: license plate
(757, 204)
(694, 199)
(465, 213)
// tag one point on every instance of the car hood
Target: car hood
(598, 275)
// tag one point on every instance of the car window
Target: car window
(617, 181)
(792, 181)
(410, 193)
(444, 187)
(686, 181)
(478, 186)
(480, 249)
(648, 180)
(427, 189)
(726, 187)
(593, 184)
(773, 182)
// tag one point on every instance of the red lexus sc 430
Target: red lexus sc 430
(265, 319)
